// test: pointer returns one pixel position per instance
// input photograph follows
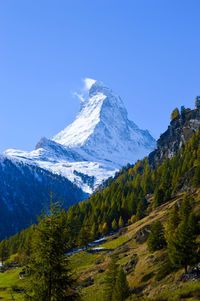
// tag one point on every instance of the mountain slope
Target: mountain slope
(25, 192)
(98, 143)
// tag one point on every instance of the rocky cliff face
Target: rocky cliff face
(179, 131)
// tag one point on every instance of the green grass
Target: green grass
(84, 260)
(188, 291)
(123, 260)
(113, 244)
(9, 280)
(93, 293)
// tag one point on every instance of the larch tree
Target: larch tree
(175, 113)
(114, 225)
(121, 222)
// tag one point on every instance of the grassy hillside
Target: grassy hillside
(144, 270)
(144, 275)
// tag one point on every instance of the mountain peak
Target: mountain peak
(102, 128)
(100, 140)
(100, 105)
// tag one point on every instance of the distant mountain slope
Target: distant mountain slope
(98, 143)
(25, 192)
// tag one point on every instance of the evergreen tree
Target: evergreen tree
(49, 277)
(140, 210)
(173, 222)
(83, 237)
(110, 279)
(3, 251)
(193, 224)
(94, 232)
(186, 207)
(159, 196)
(197, 102)
(182, 247)
(196, 178)
(121, 288)
(183, 110)
(156, 239)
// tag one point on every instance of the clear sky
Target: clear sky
(147, 51)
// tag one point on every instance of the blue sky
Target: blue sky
(146, 51)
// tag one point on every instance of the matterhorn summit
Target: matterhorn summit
(98, 143)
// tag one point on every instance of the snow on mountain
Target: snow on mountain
(100, 141)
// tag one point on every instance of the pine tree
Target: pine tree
(182, 247)
(140, 210)
(159, 196)
(156, 240)
(83, 237)
(93, 232)
(173, 222)
(181, 241)
(196, 178)
(186, 207)
(121, 288)
(110, 279)
(3, 251)
(49, 277)
(183, 110)
(197, 102)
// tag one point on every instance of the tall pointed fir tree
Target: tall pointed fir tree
(156, 239)
(116, 285)
(172, 222)
(182, 246)
(3, 252)
(49, 276)
(121, 288)
(110, 279)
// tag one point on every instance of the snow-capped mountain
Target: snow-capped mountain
(99, 142)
